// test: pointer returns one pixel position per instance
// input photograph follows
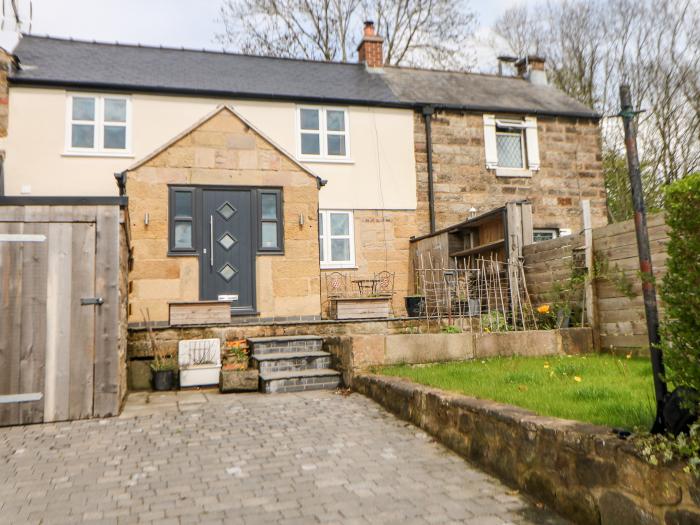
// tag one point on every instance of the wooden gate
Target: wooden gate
(60, 309)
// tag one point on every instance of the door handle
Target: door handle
(211, 241)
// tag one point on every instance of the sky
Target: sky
(172, 23)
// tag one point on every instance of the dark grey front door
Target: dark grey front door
(227, 265)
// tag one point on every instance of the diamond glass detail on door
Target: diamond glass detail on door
(227, 241)
(227, 272)
(226, 210)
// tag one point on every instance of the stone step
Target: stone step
(288, 361)
(299, 380)
(284, 344)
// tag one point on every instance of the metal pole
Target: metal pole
(647, 273)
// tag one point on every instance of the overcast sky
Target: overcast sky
(188, 23)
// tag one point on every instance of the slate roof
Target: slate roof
(60, 62)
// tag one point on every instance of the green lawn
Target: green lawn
(601, 389)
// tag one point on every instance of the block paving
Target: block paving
(203, 457)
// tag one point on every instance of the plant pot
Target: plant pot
(199, 375)
(414, 306)
(163, 380)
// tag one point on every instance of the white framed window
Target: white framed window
(547, 234)
(98, 125)
(544, 234)
(323, 134)
(511, 146)
(336, 236)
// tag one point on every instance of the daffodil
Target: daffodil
(577, 379)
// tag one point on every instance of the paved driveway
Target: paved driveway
(316, 457)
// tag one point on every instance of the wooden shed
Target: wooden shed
(500, 233)
(63, 293)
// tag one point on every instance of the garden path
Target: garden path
(201, 457)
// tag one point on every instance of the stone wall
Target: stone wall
(570, 170)
(582, 471)
(223, 150)
(381, 243)
(358, 345)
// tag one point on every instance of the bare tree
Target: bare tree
(16, 14)
(422, 32)
(521, 29)
(416, 31)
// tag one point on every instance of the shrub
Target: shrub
(681, 286)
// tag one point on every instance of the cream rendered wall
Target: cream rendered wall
(381, 174)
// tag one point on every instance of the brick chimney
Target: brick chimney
(531, 68)
(371, 49)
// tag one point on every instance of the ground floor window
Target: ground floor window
(188, 218)
(336, 239)
(545, 234)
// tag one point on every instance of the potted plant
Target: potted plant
(235, 375)
(163, 366)
(414, 305)
(163, 370)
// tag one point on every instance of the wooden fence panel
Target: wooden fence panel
(618, 293)
(33, 328)
(82, 336)
(52, 345)
(10, 320)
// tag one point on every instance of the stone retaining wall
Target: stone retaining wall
(357, 345)
(582, 471)
(355, 352)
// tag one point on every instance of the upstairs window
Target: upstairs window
(323, 134)
(336, 239)
(511, 146)
(98, 125)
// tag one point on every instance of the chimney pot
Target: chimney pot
(531, 68)
(371, 50)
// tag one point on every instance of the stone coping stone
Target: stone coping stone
(290, 374)
(583, 471)
(279, 356)
(283, 338)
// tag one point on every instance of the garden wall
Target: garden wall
(580, 470)
(619, 304)
(357, 345)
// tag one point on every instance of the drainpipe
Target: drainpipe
(428, 115)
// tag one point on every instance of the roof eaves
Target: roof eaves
(399, 104)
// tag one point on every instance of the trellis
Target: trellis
(473, 294)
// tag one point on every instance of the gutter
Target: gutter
(428, 116)
(127, 88)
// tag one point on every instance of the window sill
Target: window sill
(183, 254)
(105, 154)
(339, 266)
(325, 160)
(513, 172)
